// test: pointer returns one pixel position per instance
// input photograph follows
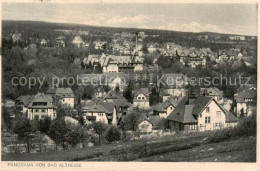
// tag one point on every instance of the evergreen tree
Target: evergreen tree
(113, 134)
(23, 128)
(58, 131)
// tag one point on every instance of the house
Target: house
(99, 44)
(109, 66)
(225, 56)
(165, 108)
(119, 101)
(43, 42)
(174, 85)
(245, 102)
(16, 37)
(200, 114)
(98, 111)
(212, 92)
(100, 92)
(145, 126)
(60, 41)
(23, 102)
(141, 98)
(63, 96)
(41, 106)
(116, 79)
(77, 41)
(141, 34)
(152, 47)
(112, 63)
(193, 57)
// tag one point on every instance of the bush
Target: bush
(246, 127)
(113, 134)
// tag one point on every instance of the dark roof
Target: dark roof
(200, 103)
(25, 100)
(61, 92)
(246, 94)
(94, 106)
(182, 113)
(211, 91)
(41, 97)
(164, 105)
(113, 95)
(185, 113)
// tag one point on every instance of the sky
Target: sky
(220, 18)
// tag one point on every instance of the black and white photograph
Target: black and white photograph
(128, 82)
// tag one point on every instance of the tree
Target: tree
(131, 121)
(24, 129)
(6, 119)
(99, 129)
(117, 89)
(128, 92)
(44, 125)
(58, 131)
(81, 120)
(242, 113)
(76, 134)
(113, 134)
(154, 97)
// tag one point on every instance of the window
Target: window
(200, 115)
(218, 114)
(171, 107)
(63, 100)
(207, 109)
(43, 110)
(139, 98)
(36, 110)
(207, 119)
(142, 97)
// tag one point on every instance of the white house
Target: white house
(77, 41)
(96, 111)
(165, 108)
(23, 102)
(152, 48)
(43, 42)
(245, 102)
(145, 126)
(141, 98)
(200, 114)
(41, 106)
(64, 96)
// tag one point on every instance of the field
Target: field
(177, 148)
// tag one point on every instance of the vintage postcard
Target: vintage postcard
(112, 85)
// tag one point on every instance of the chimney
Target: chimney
(191, 97)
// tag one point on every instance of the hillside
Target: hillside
(173, 148)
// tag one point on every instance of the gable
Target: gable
(214, 104)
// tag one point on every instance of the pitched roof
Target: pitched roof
(143, 91)
(41, 97)
(94, 106)
(163, 106)
(188, 113)
(183, 114)
(246, 94)
(25, 99)
(61, 92)
(211, 91)
(200, 103)
(113, 95)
